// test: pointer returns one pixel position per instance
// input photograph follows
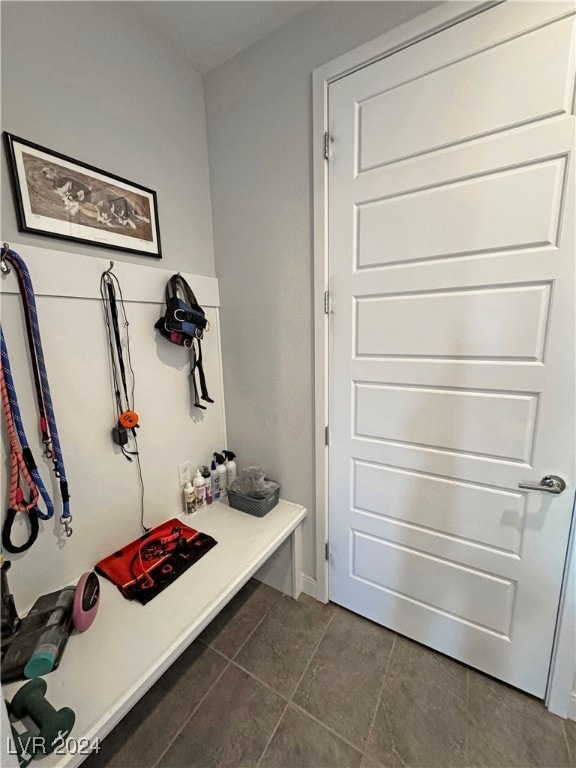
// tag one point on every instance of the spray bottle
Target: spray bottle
(231, 469)
(207, 481)
(221, 469)
(214, 481)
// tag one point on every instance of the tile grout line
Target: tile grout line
(467, 731)
(312, 656)
(294, 705)
(252, 633)
(289, 700)
(262, 682)
(364, 752)
(209, 690)
(229, 662)
(356, 747)
(272, 734)
(567, 740)
(231, 658)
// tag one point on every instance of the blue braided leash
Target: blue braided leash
(14, 407)
(37, 355)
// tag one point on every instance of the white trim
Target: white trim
(413, 31)
(218, 335)
(297, 562)
(77, 276)
(559, 699)
(309, 587)
(321, 416)
(427, 24)
(572, 707)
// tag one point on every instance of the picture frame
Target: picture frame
(60, 197)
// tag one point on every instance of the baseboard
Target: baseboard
(309, 586)
(572, 707)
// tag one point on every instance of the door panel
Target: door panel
(452, 105)
(451, 262)
(481, 598)
(431, 324)
(516, 208)
(493, 424)
(459, 511)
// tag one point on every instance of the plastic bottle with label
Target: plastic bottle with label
(214, 481)
(208, 483)
(199, 490)
(231, 468)
(189, 498)
(221, 469)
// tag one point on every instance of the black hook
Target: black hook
(4, 266)
(107, 272)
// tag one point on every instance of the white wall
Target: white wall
(93, 81)
(259, 111)
(104, 487)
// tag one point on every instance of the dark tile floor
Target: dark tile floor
(278, 683)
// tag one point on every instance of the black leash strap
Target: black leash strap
(121, 372)
(7, 531)
(116, 327)
(196, 365)
(109, 287)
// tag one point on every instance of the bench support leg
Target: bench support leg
(297, 562)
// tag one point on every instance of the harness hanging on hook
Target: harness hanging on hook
(184, 323)
(22, 461)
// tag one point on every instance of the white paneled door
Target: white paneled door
(452, 370)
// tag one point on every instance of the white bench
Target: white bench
(107, 669)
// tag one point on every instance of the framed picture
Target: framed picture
(61, 197)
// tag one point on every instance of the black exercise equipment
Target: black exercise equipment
(54, 725)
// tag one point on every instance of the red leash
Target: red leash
(18, 467)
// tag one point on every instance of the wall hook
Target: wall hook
(107, 272)
(4, 266)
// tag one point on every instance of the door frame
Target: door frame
(560, 698)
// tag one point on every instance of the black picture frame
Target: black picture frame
(60, 197)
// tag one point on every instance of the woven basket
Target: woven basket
(256, 507)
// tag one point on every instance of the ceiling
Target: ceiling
(207, 33)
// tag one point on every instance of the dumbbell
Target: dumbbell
(54, 726)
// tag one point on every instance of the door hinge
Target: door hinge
(326, 551)
(326, 435)
(327, 308)
(326, 145)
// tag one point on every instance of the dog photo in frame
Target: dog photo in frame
(58, 196)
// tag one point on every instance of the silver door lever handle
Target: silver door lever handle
(549, 483)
